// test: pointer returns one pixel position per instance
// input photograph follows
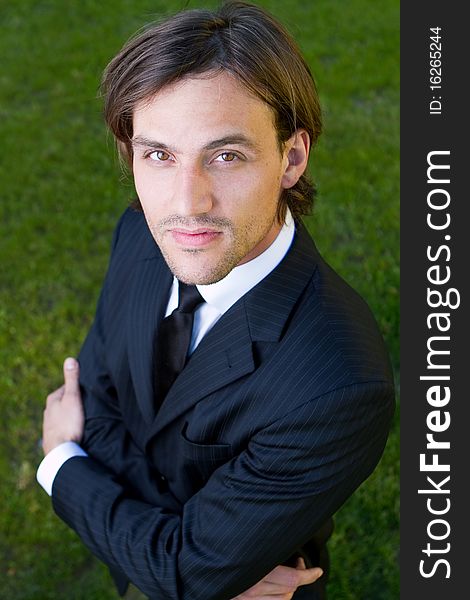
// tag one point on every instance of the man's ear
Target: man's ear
(297, 150)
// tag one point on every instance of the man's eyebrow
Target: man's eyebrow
(228, 140)
(140, 140)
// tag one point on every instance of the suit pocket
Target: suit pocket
(201, 453)
(199, 461)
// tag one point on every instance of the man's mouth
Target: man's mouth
(199, 237)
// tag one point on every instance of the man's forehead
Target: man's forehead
(219, 83)
(219, 104)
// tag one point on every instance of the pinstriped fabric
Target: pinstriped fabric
(150, 280)
(281, 412)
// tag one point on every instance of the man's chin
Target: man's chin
(198, 278)
(198, 272)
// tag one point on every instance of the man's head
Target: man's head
(216, 113)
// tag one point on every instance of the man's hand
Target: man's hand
(281, 583)
(63, 417)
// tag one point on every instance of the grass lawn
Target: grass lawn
(61, 193)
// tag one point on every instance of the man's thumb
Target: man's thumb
(71, 373)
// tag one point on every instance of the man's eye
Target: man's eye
(228, 156)
(159, 156)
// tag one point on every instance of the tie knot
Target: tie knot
(189, 297)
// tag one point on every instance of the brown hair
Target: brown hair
(240, 38)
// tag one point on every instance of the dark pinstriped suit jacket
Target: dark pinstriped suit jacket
(281, 412)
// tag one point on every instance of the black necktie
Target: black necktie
(173, 340)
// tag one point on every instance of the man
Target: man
(199, 477)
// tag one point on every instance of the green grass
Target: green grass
(60, 195)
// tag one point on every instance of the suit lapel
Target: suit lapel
(226, 352)
(223, 356)
(147, 304)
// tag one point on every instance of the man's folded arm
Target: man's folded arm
(106, 438)
(253, 513)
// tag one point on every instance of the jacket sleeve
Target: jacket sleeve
(106, 438)
(252, 514)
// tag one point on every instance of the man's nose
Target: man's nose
(193, 193)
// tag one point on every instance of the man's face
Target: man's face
(208, 172)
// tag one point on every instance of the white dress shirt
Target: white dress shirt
(218, 298)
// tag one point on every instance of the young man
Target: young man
(234, 391)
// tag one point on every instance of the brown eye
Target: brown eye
(159, 155)
(228, 156)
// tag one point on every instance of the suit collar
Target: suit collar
(271, 302)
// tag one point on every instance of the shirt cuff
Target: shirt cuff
(52, 462)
